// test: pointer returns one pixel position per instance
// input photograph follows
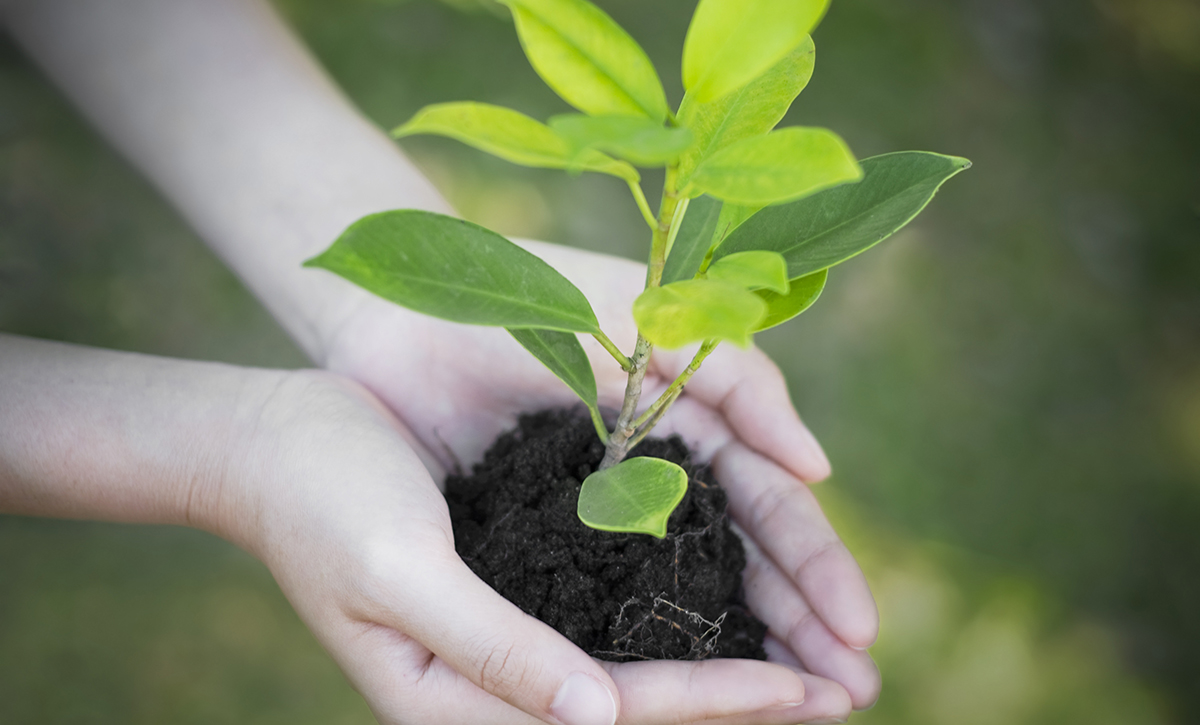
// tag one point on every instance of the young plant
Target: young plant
(750, 220)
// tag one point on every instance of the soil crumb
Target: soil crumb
(620, 597)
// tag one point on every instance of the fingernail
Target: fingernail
(785, 706)
(827, 721)
(583, 700)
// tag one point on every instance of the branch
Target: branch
(653, 413)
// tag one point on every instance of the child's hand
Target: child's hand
(474, 381)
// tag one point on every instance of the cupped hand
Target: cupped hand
(350, 522)
(456, 387)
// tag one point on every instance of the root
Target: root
(663, 618)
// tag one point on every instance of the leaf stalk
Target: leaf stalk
(644, 206)
(625, 363)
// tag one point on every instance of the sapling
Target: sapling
(751, 218)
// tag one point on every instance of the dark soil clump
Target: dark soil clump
(619, 597)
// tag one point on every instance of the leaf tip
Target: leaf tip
(315, 262)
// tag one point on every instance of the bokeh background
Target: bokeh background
(1009, 390)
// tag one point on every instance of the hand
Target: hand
(358, 536)
(736, 410)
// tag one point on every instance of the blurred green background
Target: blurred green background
(1009, 390)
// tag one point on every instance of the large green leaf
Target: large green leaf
(781, 166)
(588, 59)
(636, 138)
(828, 228)
(755, 269)
(731, 42)
(562, 353)
(802, 294)
(455, 270)
(637, 496)
(751, 111)
(510, 135)
(693, 239)
(679, 313)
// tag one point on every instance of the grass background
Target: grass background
(1009, 390)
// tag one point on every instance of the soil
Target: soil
(620, 597)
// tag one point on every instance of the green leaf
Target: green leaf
(588, 59)
(693, 239)
(562, 353)
(636, 138)
(732, 217)
(803, 293)
(751, 111)
(510, 135)
(731, 42)
(828, 228)
(753, 270)
(697, 309)
(455, 270)
(637, 495)
(781, 166)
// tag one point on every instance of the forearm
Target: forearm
(218, 104)
(87, 433)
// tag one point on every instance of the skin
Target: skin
(226, 113)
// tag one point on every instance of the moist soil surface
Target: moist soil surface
(620, 597)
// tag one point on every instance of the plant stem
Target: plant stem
(662, 231)
(672, 392)
(625, 363)
(618, 442)
(645, 430)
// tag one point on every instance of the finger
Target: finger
(658, 691)
(779, 653)
(808, 641)
(405, 684)
(783, 516)
(748, 389)
(825, 702)
(491, 642)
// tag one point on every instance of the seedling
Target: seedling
(750, 221)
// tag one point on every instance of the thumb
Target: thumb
(498, 647)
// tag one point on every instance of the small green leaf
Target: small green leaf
(562, 353)
(828, 228)
(635, 138)
(803, 293)
(732, 217)
(781, 166)
(455, 270)
(510, 135)
(751, 111)
(637, 496)
(753, 270)
(692, 240)
(589, 60)
(731, 42)
(697, 309)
